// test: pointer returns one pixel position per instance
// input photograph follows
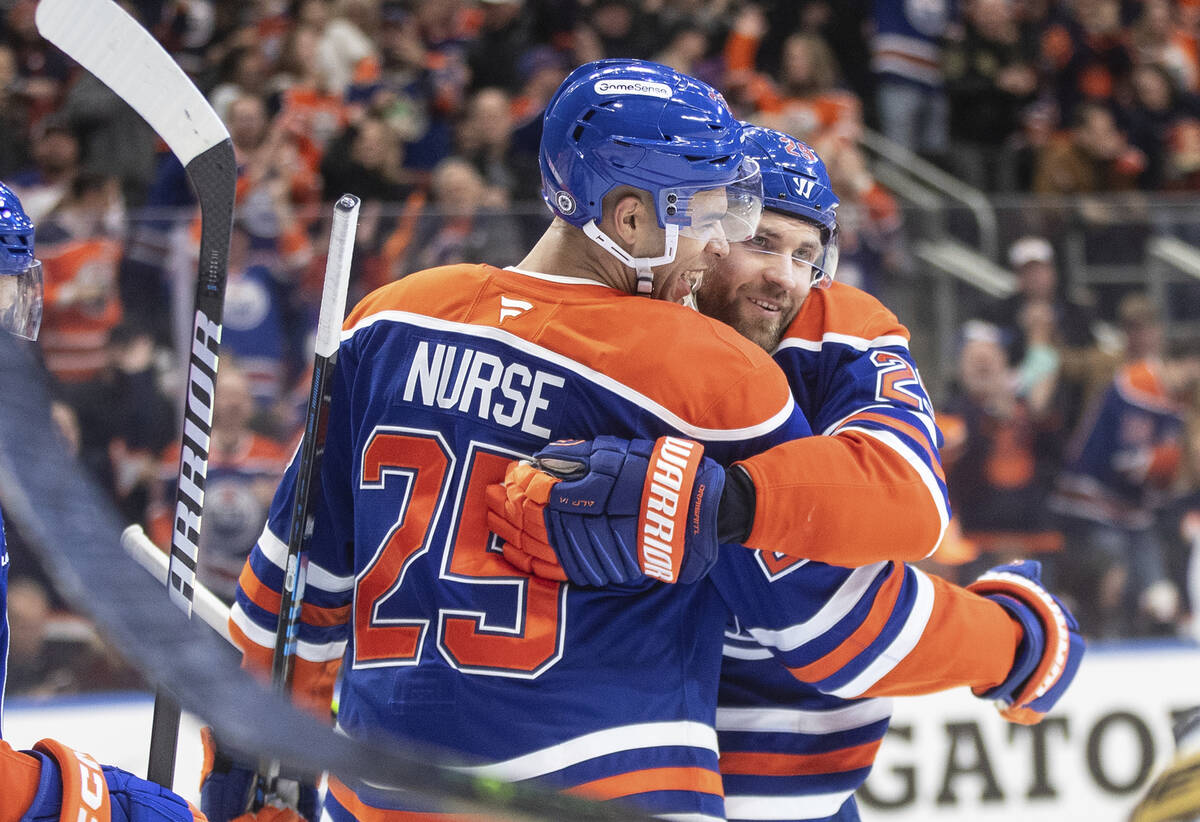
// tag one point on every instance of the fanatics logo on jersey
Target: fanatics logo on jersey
(638, 87)
(512, 307)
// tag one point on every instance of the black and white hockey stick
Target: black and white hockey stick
(312, 446)
(106, 41)
(212, 611)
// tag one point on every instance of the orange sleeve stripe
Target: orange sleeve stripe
(269, 599)
(863, 636)
(700, 780)
(916, 434)
(984, 638)
(366, 813)
(255, 658)
(776, 764)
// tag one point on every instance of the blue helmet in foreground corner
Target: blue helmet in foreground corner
(796, 183)
(20, 271)
(642, 124)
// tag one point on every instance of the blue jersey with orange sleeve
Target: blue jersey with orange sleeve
(1127, 451)
(442, 379)
(798, 739)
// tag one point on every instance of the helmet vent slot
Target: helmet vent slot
(575, 135)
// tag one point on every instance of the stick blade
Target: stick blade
(106, 41)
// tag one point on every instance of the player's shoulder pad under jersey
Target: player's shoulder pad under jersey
(846, 311)
(446, 291)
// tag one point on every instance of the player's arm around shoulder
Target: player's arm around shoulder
(875, 474)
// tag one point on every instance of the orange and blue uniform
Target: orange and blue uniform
(798, 740)
(442, 379)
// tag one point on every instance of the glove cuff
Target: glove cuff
(84, 788)
(665, 516)
(735, 516)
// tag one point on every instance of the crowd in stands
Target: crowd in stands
(429, 110)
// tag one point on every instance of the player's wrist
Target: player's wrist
(735, 515)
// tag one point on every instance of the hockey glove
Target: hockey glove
(609, 511)
(227, 790)
(1050, 651)
(72, 785)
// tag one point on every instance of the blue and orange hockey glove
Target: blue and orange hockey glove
(610, 511)
(227, 790)
(1049, 653)
(61, 783)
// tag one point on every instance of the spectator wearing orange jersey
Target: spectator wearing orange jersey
(80, 247)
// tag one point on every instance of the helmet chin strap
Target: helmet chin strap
(641, 265)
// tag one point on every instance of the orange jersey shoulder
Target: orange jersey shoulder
(844, 309)
(697, 368)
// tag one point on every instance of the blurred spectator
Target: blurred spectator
(244, 468)
(506, 33)
(462, 224)
(621, 29)
(42, 69)
(257, 323)
(910, 95)
(14, 116)
(1156, 110)
(79, 244)
(806, 101)
(685, 45)
(1087, 52)
(311, 111)
(485, 140)
(344, 52)
(869, 220)
(1092, 156)
(115, 140)
(1048, 332)
(1182, 526)
(1002, 452)
(1122, 461)
(124, 420)
(990, 77)
(55, 164)
(1158, 39)
(246, 73)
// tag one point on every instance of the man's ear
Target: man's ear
(628, 215)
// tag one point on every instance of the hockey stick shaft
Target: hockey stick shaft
(207, 605)
(329, 325)
(106, 41)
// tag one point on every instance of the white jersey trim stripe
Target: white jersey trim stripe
(905, 641)
(604, 381)
(926, 421)
(800, 721)
(927, 476)
(689, 817)
(832, 612)
(857, 343)
(308, 651)
(275, 550)
(558, 278)
(743, 652)
(601, 743)
(796, 806)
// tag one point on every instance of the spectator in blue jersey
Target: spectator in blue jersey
(1121, 464)
(52, 781)
(847, 360)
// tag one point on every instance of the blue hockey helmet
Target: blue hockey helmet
(20, 272)
(796, 183)
(641, 124)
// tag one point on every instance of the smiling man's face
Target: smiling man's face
(761, 284)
